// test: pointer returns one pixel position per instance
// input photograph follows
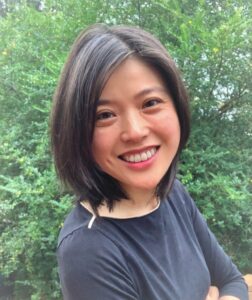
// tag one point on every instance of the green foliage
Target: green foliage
(211, 43)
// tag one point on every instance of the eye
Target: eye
(151, 102)
(104, 115)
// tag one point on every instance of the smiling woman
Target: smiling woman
(119, 122)
(139, 134)
(79, 110)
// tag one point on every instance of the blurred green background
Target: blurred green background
(210, 42)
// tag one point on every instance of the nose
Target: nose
(134, 128)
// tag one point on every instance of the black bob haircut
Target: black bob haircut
(97, 51)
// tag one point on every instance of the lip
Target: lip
(139, 150)
(142, 165)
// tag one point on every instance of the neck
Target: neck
(136, 206)
(139, 203)
(140, 199)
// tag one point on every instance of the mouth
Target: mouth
(140, 156)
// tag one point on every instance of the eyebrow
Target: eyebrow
(103, 102)
(150, 90)
(138, 95)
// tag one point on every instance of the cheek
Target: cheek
(103, 144)
(167, 125)
(98, 146)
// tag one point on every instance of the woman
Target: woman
(119, 122)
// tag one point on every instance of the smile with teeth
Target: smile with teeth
(141, 156)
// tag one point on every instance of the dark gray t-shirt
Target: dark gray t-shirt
(168, 254)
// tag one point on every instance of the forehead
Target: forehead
(133, 76)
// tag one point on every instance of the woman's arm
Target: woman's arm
(92, 267)
(213, 294)
(224, 274)
(229, 298)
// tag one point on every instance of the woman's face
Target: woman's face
(137, 131)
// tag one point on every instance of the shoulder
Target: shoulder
(181, 197)
(76, 234)
(87, 247)
(81, 246)
(91, 263)
(179, 189)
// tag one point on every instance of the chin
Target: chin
(147, 186)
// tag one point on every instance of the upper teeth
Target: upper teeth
(142, 156)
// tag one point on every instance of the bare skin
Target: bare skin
(213, 294)
(136, 116)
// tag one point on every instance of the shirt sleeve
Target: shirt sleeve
(224, 274)
(92, 267)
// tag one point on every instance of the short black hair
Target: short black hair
(95, 54)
